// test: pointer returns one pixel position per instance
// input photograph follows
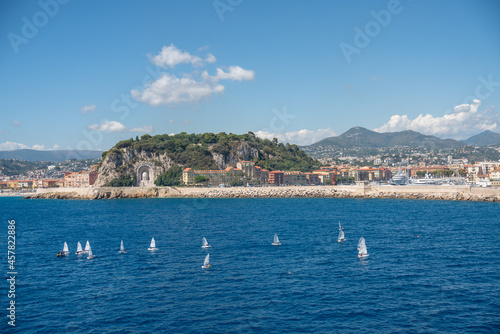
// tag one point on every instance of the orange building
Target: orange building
(81, 179)
(276, 177)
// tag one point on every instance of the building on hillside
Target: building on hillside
(81, 179)
(294, 178)
(94, 167)
(264, 176)
(275, 177)
(3, 184)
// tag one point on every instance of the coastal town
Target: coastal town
(246, 173)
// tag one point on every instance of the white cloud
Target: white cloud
(114, 126)
(10, 146)
(85, 109)
(301, 137)
(235, 73)
(16, 122)
(171, 121)
(465, 121)
(170, 89)
(170, 56)
(56, 147)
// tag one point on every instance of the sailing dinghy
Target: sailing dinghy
(87, 247)
(91, 256)
(341, 237)
(363, 252)
(64, 252)
(122, 248)
(206, 263)
(152, 246)
(79, 249)
(204, 243)
(276, 241)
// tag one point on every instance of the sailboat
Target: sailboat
(276, 241)
(204, 243)
(363, 252)
(206, 263)
(122, 248)
(152, 246)
(65, 249)
(341, 234)
(91, 256)
(79, 249)
(64, 252)
(87, 247)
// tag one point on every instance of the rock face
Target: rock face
(242, 152)
(145, 166)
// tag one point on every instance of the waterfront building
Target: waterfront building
(312, 178)
(81, 179)
(276, 177)
(294, 178)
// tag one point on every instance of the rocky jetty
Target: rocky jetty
(459, 193)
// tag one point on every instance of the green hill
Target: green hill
(198, 151)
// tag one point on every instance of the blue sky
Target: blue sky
(86, 74)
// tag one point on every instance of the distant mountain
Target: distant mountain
(363, 138)
(485, 138)
(57, 155)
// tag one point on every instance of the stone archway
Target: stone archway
(145, 175)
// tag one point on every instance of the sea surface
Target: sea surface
(433, 266)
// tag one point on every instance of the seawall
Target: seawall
(461, 193)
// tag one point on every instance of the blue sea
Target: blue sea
(433, 266)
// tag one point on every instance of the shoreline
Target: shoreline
(459, 193)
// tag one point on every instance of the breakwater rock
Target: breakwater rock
(460, 193)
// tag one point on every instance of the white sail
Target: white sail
(206, 263)
(362, 247)
(276, 240)
(65, 248)
(152, 246)
(340, 226)
(79, 247)
(90, 253)
(341, 235)
(204, 242)
(122, 247)
(87, 246)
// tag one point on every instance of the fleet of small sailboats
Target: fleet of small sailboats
(276, 240)
(206, 263)
(362, 251)
(79, 249)
(122, 248)
(152, 246)
(204, 243)
(341, 237)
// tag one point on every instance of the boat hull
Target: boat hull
(363, 256)
(276, 244)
